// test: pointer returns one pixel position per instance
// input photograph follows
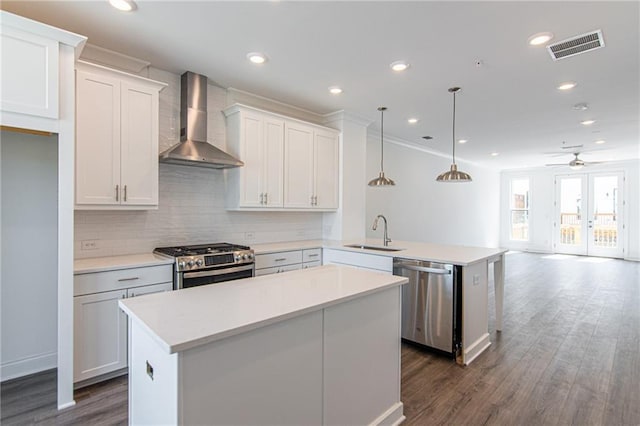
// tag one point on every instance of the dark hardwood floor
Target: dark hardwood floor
(569, 353)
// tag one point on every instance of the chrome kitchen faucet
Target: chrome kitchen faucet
(386, 240)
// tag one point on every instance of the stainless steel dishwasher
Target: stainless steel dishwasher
(431, 305)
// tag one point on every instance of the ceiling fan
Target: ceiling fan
(576, 163)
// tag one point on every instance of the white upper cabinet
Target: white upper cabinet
(258, 140)
(289, 164)
(116, 139)
(298, 166)
(30, 63)
(34, 60)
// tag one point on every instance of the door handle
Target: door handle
(117, 192)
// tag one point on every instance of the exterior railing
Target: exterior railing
(605, 230)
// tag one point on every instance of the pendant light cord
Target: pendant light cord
(454, 127)
(382, 140)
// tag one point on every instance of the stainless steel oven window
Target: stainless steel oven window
(213, 276)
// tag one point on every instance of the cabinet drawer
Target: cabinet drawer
(278, 259)
(149, 289)
(122, 278)
(312, 255)
(278, 269)
(307, 265)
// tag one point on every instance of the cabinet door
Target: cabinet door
(139, 145)
(273, 160)
(251, 153)
(97, 139)
(298, 166)
(326, 170)
(29, 73)
(100, 334)
(149, 289)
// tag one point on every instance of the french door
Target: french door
(589, 214)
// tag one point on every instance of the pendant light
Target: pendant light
(381, 180)
(454, 175)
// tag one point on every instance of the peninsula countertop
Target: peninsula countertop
(443, 253)
(188, 318)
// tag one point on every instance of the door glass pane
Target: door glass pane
(519, 204)
(605, 211)
(570, 214)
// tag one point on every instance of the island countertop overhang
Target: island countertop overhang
(188, 318)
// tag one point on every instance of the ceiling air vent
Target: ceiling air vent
(576, 45)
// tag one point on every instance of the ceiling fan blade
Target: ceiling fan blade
(589, 163)
(557, 164)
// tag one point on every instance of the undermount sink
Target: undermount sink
(366, 247)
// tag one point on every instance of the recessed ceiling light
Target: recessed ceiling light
(567, 86)
(427, 138)
(257, 57)
(412, 120)
(335, 90)
(462, 141)
(540, 38)
(399, 65)
(495, 154)
(123, 5)
(600, 142)
(581, 106)
(588, 122)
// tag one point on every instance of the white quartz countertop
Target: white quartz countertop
(456, 255)
(286, 246)
(111, 263)
(188, 318)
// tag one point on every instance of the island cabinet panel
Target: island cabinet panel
(358, 260)
(475, 311)
(364, 335)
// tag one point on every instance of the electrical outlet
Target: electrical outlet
(89, 245)
(249, 236)
(476, 279)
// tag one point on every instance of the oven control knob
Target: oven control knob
(190, 263)
(199, 262)
(245, 256)
(181, 264)
(250, 255)
(238, 258)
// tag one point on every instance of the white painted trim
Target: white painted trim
(283, 104)
(66, 185)
(343, 115)
(100, 55)
(393, 416)
(25, 366)
(476, 348)
(67, 405)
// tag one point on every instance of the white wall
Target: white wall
(29, 167)
(542, 211)
(420, 209)
(191, 205)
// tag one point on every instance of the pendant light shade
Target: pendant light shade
(381, 180)
(453, 174)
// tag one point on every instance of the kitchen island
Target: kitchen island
(316, 346)
(473, 262)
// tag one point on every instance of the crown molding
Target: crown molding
(344, 115)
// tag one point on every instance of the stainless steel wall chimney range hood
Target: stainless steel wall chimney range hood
(193, 149)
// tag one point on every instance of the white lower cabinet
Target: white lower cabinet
(100, 327)
(274, 263)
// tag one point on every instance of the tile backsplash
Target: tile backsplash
(191, 200)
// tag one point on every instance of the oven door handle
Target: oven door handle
(214, 272)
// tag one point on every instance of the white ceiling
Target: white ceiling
(509, 105)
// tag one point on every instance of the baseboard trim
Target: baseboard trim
(24, 367)
(476, 348)
(392, 417)
(67, 405)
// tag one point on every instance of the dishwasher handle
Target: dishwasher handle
(422, 269)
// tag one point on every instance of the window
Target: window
(519, 210)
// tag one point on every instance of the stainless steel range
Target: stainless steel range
(204, 264)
